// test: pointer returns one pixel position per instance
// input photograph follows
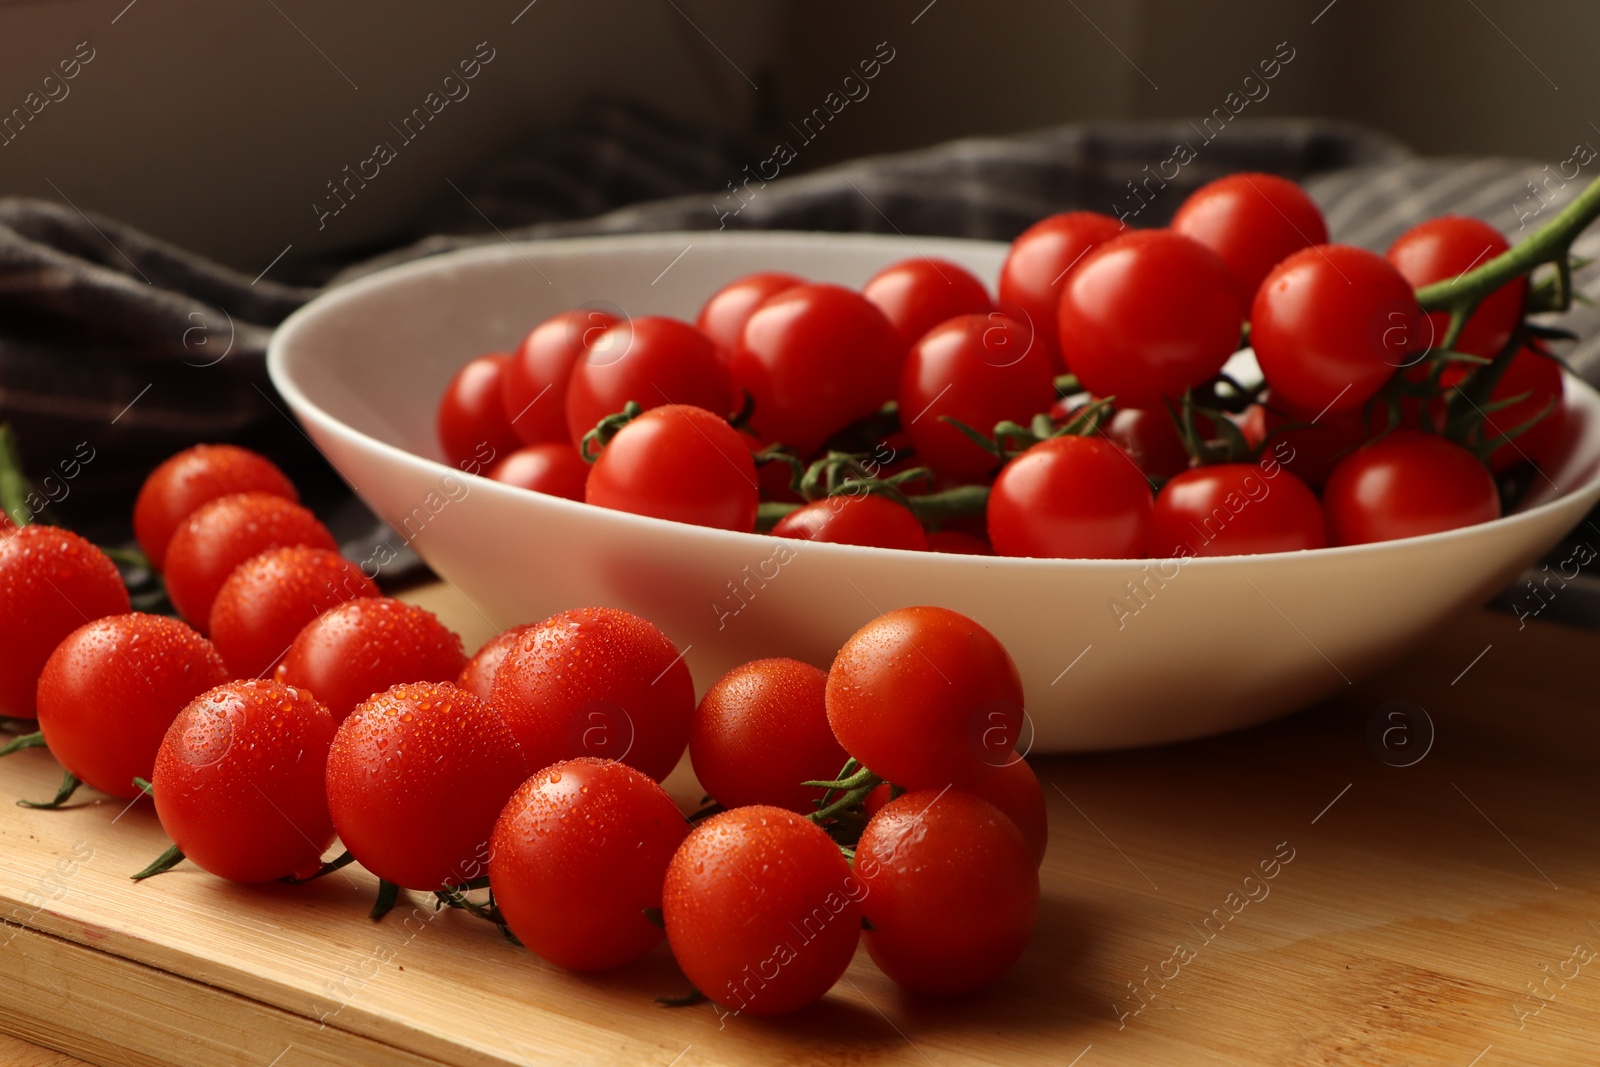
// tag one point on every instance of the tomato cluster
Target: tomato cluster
(1083, 411)
(320, 711)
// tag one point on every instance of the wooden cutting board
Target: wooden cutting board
(1292, 894)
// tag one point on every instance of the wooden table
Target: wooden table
(1438, 913)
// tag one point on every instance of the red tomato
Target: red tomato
(472, 422)
(762, 912)
(51, 582)
(182, 483)
(1147, 317)
(775, 479)
(1015, 790)
(680, 463)
(925, 697)
(477, 677)
(350, 652)
(1150, 438)
(868, 519)
(1037, 267)
(952, 891)
(597, 682)
(1314, 446)
(724, 315)
(238, 782)
(958, 543)
(1253, 221)
(651, 361)
(1331, 324)
(417, 775)
(761, 730)
(978, 370)
(1536, 378)
(575, 895)
(554, 468)
(815, 358)
(112, 687)
(1071, 497)
(1235, 509)
(1445, 247)
(225, 533)
(916, 295)
(269, 599)
(1407, 484)
(533, 389)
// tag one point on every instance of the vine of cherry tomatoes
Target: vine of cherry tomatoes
(522, 784)
(921, 413)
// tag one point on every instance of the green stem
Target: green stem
(388, 894)
(69, 785)
(1551, 243)
(14, 488)
(963, 501)
(33, 740)
(163, 863)
(339, 862)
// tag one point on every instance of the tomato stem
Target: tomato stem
(1551, 243)
(962, 501)
(69, 785)
(162, 864)
(339, 862)
(14, 488)
(388, 894)
(33, 740)
(689, 999)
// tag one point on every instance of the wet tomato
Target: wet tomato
(269, 599)
(181, 484)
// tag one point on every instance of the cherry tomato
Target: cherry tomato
(51, 582)
(597, 682)
(1407, 484)
(762, 912)
(651, 361)
(182, 483)
(1150, 438)
(417, 775)
(1071, 497)
(925, 697)
(952, 891)
(761, 730)
(680, 463)
(1308, 445)
(1235, 509)
(775, 479)
(1536, 378)
(112, 687)
(958, 543)
(579, 853)
(533, 389)
(350, 652)
(868, 519)
(472, 421)
(1015, 790)
(1148, 316)
(553, 467)
(477, 677)
(269, 599)
(815, 358)
(977, 370)
(916, 295)
(239, 785)
(1253, 222)
(1445, 247)
(1331, 324)
(724, 315)
(1037, 267)
(225, 533)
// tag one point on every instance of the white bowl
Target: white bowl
(1220, 644)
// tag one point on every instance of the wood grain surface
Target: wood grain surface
(1347, 886)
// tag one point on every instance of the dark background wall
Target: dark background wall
(217, 126)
